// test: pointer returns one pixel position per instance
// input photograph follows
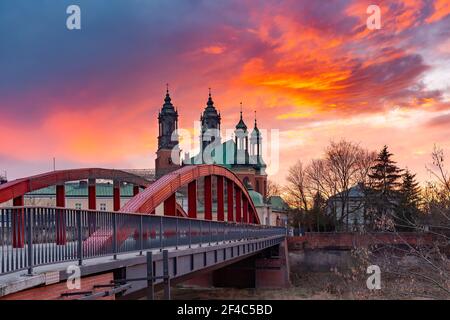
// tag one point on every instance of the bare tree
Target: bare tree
(273, 188)
(438, 203)
(297, 187)
(347, 165)
(320, 180)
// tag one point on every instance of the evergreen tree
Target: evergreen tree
(408, 208)
(385, 176)
(318, 212)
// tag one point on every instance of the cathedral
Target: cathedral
(242, 154)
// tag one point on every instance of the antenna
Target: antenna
(54, 164)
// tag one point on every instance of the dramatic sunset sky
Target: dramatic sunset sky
(309, 68)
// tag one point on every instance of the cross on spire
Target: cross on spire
(167, 99)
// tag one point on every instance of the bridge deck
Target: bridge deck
(183, 261)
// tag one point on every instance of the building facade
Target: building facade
(242, 155)
(354, 213)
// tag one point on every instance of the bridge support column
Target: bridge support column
(192, 199)
(268, 269)
(60, 196)
(238, 205)
(208, 198)
(135, 190)
(60, 216)
(220, 203)
(230, 196)
(251, 216)
(18, 223)
(272, 268)
(18, 201)
(92, 205)
(170, 206)
(245, 209)
(116, 195)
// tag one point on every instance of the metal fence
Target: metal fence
(35, 236)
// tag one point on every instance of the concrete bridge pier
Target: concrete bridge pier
(272, 271)
(267, 269)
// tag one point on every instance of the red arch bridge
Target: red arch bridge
(201, 217)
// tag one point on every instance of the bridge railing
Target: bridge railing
(36, 236)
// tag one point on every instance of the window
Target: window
(78, 206)
(102, 206)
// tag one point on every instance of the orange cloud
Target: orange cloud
(214, 50)
(441, 10)
(309, 68)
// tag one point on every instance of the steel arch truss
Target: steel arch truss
(16, 189)
(240, 207)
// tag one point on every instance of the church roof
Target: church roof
(210, 110)
(168, 106)
(356, 191)
(241, 124)
(255, 133)
(227, 159)
(278, 204)
(257, 198)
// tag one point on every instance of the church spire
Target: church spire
(255, 132)
(241, 124)
(167, 100)
(210, 103)
(210, 119)
(167, 138)
(168, 122)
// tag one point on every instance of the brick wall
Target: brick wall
(348, 240)
(54, 291)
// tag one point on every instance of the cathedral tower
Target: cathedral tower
(167, 138)
(210, 122)
(241, 142)
(257, 160)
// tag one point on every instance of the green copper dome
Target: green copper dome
(257, 198)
